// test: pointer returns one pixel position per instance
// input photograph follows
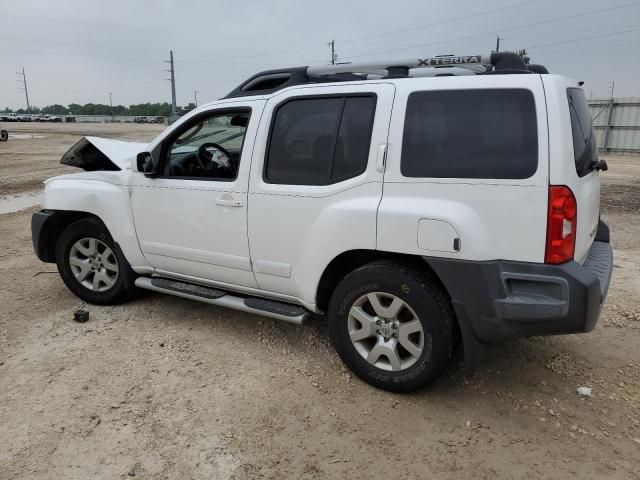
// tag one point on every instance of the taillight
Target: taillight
(562, 219)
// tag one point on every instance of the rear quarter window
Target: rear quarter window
(584, 140)
(484, 133)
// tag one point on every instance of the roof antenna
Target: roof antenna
(334, 55)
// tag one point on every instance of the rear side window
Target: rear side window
(584, 139)
(319, 141)
(485, 133)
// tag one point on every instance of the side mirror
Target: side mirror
(144, 162)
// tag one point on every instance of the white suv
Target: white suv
(413, 210)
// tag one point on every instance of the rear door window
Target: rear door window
(320, 141)
(584, 140)
(483, 133)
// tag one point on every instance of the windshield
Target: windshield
(212, 130)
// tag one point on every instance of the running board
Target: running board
(259, 306)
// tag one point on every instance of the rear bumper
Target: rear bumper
(497, 300)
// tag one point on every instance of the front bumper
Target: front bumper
(39, 234)
(497, 300)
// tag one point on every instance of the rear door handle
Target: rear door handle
(381, 157)
(229, 203)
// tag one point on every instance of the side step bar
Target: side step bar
(259, 306)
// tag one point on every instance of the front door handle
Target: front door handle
(229, 203)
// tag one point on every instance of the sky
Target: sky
(81, 50)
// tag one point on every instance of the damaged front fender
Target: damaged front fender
(95, 153)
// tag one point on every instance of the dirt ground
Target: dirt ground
(167, 388)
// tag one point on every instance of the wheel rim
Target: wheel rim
(385, 331)
(94, 264)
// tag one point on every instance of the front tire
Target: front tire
(392, 326)
(4, 135)
(91, 264)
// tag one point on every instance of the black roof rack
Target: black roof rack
(535, 68)
(270, 81)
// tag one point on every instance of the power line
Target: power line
(163, 52)
(76, 44)
(583, 38)
(517, 27)
(147, 30)
(205, 56)
(442, 22)
(284, 52)
(40, 52)
(567, 32)
(591, 47)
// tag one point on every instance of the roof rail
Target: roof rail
(270, 81)
(383, 66)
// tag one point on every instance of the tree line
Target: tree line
(141, 109)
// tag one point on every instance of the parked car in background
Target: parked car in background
(47, 118)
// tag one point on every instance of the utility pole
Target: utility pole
(195, 97)
(610, 106)
(174, 108)
(111, 103)
(332, 44)
(498, 43)
(24, 87)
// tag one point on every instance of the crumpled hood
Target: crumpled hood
(95, 153)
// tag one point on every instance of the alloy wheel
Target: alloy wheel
(385, 331)
(94, 264)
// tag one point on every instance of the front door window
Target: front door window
(209, 149)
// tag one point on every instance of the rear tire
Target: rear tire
(392, 326)
(4, 135)
(92, 265)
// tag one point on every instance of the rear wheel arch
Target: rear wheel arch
(350, 260)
